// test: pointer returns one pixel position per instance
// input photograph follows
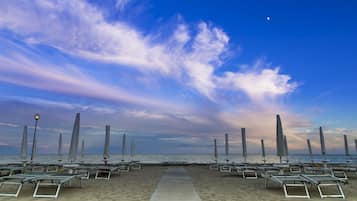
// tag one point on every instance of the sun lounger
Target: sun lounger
(326, 180)
(135, 165)
(47, 180)
(15, 180)
(10, 170)
(226, 168)
(104, 172)
(287, 181)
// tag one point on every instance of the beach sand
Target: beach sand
(214, 186)
(210, 186)
(133, 186)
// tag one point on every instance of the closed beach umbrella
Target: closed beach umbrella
(356, 144)
(279, 138)
(244, 144)
(322, 142)
(226, 146)
(309, 148)
(347, 153)
(59, 151)
(24, 144)
(263, 149)
(73, 148)
(215, 150)
(106, 142)
(123, 147)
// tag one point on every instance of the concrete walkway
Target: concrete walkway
(175, 185)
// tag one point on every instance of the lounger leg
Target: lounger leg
(11, 194)
(38, 185)
(107, 177)
(339, 188)
(307, 195)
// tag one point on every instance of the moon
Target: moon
(268, 18)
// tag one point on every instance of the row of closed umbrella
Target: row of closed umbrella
(73, 148)
(281, 144)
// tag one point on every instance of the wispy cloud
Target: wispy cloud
(190, 54)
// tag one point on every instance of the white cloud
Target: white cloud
(258, 84)
(78, 28)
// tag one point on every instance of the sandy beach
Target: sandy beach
(210, 186)
(132, 186)
(214, 186)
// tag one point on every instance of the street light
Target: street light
(36, 117)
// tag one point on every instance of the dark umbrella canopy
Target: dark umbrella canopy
(322, 142)
(309, 148)
(263, 149)
(244, 144)
(73, 149)
(106, 142)
(279, 138)
(347, 152)
(226, 146)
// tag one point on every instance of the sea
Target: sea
(185, 158)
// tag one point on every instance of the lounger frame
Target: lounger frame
(16, 194)
(38, 186)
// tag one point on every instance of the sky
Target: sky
(174, 75)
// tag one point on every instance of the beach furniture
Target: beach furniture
(104, 172)
(10, 170)
(325, 180)
(48, 180)
(16, 180)
(41, 180)
(287, 181)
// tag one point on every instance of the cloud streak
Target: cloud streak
(190, 55)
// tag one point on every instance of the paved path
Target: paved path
(175, 185)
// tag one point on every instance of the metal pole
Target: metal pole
(34, 142)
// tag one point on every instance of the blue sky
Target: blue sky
(174, 75)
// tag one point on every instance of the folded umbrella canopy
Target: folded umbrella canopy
(244, 145)
(123, 147)
(73, 148)
(226, 146)
(263, 150)
(106, 143)
(322, 142)
(347, 153)
(279, 138)
(309, 148)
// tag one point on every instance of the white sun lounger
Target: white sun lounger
(15, 180)
(104, 172)
(47, 180)
(291, 181)
(326, 180)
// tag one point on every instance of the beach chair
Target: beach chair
(287, 181)
(48, 180)
(10, 170)
(124, 167)
(15, 180)
(326, 180)
(104, 172)
(226, 168)
(135, 165)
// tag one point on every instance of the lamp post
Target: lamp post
(37, 117)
